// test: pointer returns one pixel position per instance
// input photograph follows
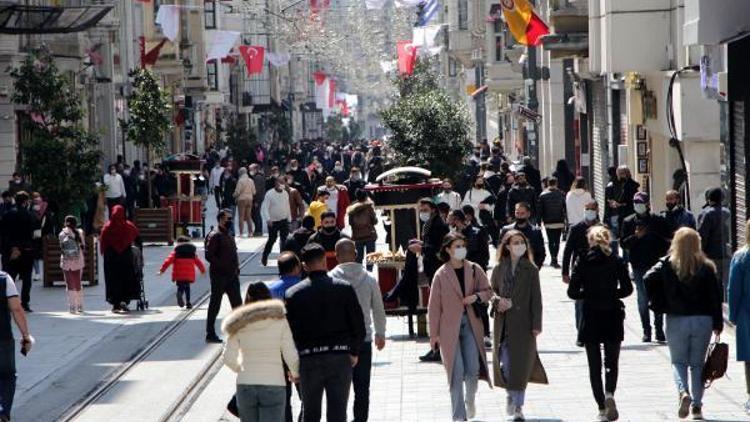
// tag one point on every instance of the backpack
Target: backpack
(69, 247)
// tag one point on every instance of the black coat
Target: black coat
(601, 280)
(714, 226)
(644, 252)
(577, 245)
(536, 240)
(551, 207)
(477, 245)
(701, 295)
(325, 313)
(433, 232)
(622, 192)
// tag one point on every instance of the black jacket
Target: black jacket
(326, 240)
(551, 206)
(477, 245)
(521, 194)
(577, 245)
(325, 316)
(714, 226)
(644, 252)
(352, 186)
(534, 177)
(18, 227)
(221, 253)
(701, 295)
(601, 280)
(536, 240)
(433, 232)
(622, 192)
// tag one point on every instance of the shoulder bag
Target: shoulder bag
(716, 362)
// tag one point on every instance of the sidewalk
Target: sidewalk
(403, 389)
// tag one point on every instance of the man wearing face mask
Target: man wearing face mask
(300, 176)
(116, 192)
(354, 183)
(221, 253)
(644, 236)
(619, 197)
(521, 191)
(327, 236)
(532, 232)
(339, 173)
(276, 211)
(449, 196)
(338, 200)
(676, 216)
(271, 180)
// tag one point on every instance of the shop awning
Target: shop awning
(20, 19)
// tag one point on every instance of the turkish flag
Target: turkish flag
(407, 57)
(316, 5)
(254, 57)
(331, 93)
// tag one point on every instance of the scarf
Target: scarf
(507, 277)
(118, 233)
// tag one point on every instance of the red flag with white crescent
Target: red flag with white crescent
(254, 56)
(407, 57)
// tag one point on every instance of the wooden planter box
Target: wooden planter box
(156, 225)
(53, 274)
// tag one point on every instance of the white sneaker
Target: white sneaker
(518, 414)
(471, 409)
(601, 417)
(509, 408)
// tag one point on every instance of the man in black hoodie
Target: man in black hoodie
(328, 328)
(327, 236)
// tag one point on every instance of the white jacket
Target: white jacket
(258, 336)
(575, 205)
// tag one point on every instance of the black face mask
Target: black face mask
(671, 207)
(329, 230)
(479, 186)
(521, 221)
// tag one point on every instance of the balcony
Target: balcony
(501, 77)
(566, 16)
(460, 46)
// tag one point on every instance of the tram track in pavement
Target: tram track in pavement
(180, 406)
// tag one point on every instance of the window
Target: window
(463, 15)
(499, 54)
(452, 68)
(209, 11)
(157, 4)
(212, 75)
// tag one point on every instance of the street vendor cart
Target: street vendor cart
(396, 195)
(188, 201)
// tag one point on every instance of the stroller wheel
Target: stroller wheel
(145, 305)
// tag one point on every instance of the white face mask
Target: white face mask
(590, 215)
(459, 253)
(517, 250)
(640, 208)
(424, 216)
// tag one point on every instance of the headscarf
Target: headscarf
(118, 233)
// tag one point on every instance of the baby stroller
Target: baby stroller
(142, 304)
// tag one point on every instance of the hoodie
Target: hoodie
(258, 337)
(368, 294)
(575, 204)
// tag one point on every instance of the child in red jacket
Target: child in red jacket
(184, 259)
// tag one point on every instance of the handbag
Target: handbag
(478, 307)
(232, 406)
(716, 362)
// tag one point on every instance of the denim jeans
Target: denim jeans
(363, 248)
(7, 376)
(611, 365)
(643, 310)
(517, 397)
(261, 403)
(332, 373)
(361, 381)
(465, 370)
(277, 229)
(688, 338)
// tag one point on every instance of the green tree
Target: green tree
(59, 155)
(427, 124)
(335, 129)
(354, 130)
(240, 140)
(149, 111)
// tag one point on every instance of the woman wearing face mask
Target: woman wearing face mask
(576, 200)
(600, 280)
(481, 200)
(517, 311)
(455, 327)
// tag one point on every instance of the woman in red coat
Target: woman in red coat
(183, 259)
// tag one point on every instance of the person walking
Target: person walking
(18, 226)
(676, 216)
(564, 176)
(115, 192)
(644, 237)
(116, 241)
(72, 261)
(338, 200)
(600, 281)
(244, 193)
(738, 299)
(10, 306)
(530, 231)
(183, 260)
(256, 173)
(371, 301)
(517, 312)
(260, 349)
(298, 238)
(224, 271)
(318, 206)
(619, 194)
(228, 201)
(455, 327)
(575, 202)
(354, 183)
(521, 191)
(533, 175)
(362, 220)
(297, 205)
(214, 182)
(449, 196)
(552, 214)
(277, 214)
(714, 226)
(328, 327)
(483, 203)
(327, 236)
(684, 286)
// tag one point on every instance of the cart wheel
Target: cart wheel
(146, 305)
(139, 306)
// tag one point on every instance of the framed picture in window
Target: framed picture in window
(642, 149)
(640, 133)
(643, 165)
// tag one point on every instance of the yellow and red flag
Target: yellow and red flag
(525, 25)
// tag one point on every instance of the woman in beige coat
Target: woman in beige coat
(517, 310)
(454, 325)
(244, 194)
(258, 337)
